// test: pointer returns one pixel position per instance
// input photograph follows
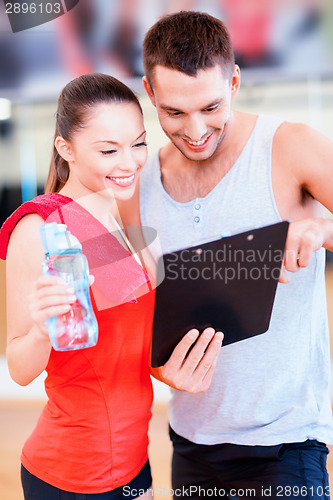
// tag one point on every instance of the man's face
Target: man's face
(194, 111)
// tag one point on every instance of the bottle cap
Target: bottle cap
(57, 240)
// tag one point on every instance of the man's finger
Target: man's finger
(180, 351)
(208, 377)
(210, 356)
(283, 276)
(291, 257)
(197, 352)
(305, 253)
(200, 380)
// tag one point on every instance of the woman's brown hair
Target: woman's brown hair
(74, 103)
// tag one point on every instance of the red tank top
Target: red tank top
(92, 434)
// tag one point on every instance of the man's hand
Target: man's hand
(192, 372)
(304, 237)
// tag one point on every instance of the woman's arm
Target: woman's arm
(31, 299)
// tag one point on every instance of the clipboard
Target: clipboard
(229, 284)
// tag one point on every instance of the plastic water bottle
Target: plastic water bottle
(77, 328)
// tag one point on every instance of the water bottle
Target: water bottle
(77, 328)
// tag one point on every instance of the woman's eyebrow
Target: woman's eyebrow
(115, 142)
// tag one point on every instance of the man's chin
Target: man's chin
(196, 155)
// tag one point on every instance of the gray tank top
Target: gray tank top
(269, 389)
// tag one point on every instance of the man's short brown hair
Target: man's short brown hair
(187, 41)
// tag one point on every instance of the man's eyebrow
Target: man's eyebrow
(170, 108)
(214, 103)
(165, 107)
(115, 142)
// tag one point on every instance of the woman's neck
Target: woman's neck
(100, 205)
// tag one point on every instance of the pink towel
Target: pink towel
(117, 274)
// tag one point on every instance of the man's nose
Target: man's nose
(195, 128)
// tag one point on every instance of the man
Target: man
(259, 429)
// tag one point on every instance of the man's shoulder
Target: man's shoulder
(297, 138)
(302, 155)
(153, 159)
(150, 172)
(297, 129)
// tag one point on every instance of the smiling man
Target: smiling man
(259, 429)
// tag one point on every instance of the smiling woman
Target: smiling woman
(92, 435)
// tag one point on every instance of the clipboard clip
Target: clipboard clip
(198, 251)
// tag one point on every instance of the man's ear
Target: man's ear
(235, 81)
(149, 90)
(64, 148)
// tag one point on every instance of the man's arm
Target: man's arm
(305, 159)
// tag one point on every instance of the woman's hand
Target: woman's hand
(50, 297)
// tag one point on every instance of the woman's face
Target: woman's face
(108, 152)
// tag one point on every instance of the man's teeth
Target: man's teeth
(122, 180)
(198, 143)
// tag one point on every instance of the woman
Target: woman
(91, 438)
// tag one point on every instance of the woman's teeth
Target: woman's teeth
(122, 180)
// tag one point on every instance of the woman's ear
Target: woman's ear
(64, 148)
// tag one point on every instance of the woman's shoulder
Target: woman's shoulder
(41, 206)
(24, 240)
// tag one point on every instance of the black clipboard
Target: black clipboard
(228, 284)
